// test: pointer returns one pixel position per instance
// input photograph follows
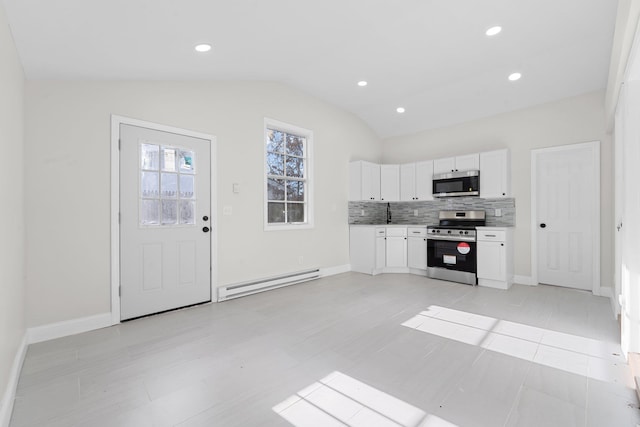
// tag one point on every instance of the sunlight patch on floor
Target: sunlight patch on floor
(339, 400)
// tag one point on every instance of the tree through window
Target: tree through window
(287, 174)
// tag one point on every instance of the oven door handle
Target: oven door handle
(451, 238)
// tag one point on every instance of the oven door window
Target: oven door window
(459, 256)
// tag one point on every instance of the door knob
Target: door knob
(543, 225)
(205, 229)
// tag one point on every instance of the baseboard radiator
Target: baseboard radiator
(261, 285)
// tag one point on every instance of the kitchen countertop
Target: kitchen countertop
(388, 225)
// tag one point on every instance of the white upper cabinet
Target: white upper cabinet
(424, 180)
(416, 181)
(459, 163)
(408, 181)
(495, 174)
(390, 183)
(364, 181)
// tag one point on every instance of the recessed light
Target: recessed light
(400, 110)
(493, 31)
(514, 76)
(362, 83)
(203, 47)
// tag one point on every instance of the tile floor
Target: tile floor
(356, 350)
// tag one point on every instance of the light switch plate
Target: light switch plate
(227, 210)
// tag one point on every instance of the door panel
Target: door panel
(165, 252)
(564, 181)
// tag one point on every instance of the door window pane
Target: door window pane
(169, 185)
(187, 161)
(187, 212)
(169, 211)
(149, 156)
(187, 187)
(149, 184)
(168, 159)
(149, 212)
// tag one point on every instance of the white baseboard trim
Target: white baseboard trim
(523, 280)
(332, 271)
(68, 327)
(6, 404)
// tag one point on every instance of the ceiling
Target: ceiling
(431, 57)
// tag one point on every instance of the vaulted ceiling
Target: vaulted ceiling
(431, 57)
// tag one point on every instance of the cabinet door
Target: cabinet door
(424, 180)
(408, 181)
(417, 253)
(380, 252)
(494, 174)
(390, 183)
(396, 252)
(370, 181)
(444, 165)
(468, 162)
(491, 261)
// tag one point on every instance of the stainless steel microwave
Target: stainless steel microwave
(455, 184)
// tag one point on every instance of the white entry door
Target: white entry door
(567, 214)
(165, 209)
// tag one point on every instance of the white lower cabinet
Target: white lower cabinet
(376, 249)
(396, 247)
(367, 248)
(417, 248)
(495, 257)
(381, 248)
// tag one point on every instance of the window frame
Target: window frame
(308, 175)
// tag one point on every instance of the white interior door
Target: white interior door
(567, 207)
(165, 210)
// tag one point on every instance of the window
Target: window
(287, 176)
(167, 176)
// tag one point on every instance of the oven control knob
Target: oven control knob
(466, 232)
(461, 232)
(449, 231)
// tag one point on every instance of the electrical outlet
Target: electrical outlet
(300, 259)
(415, 212)
(498, 212)
(361, 212)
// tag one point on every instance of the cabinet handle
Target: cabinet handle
(501, 244)
(490, 235)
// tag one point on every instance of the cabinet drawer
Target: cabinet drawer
(491, 235)
(396, 232)
(417, 231)
(380, 232)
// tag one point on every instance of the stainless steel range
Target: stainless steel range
(451, 246)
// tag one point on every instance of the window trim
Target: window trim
(308, 134)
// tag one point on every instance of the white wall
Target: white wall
(572, 120)
(12, 324)
(67, 181)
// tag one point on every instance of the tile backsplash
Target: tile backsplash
(427, 211)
